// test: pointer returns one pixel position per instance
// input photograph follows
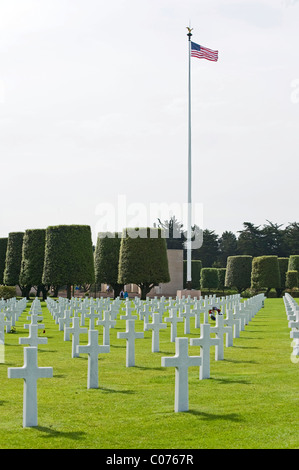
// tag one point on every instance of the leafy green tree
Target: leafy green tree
(68, 256)
(238, 272)
(3, 248)
(143, 259)
(250, 240)
(265, 273)
(107, 260)
(273, 240)
(227, 247)
(13, 261)
(291, 238)
(208, 252)
(32, 264)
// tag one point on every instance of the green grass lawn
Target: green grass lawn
(250, 401)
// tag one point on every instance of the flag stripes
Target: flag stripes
(202, 52)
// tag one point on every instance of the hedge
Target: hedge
(13, 258)
(209, 278)
(238, 272)
(106, 260)
(143, 258)
(68, 256)
(7, 292)
(3, 248)
(291, 279)
(265, 273)
(196, 266)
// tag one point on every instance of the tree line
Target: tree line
(269, 239)
(63, 256)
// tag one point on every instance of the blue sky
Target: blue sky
(93, 108)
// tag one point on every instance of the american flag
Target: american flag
(203, 52)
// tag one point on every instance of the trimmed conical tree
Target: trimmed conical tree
(33, 255)
(68, 256)
(238, 272)
(13, 261)
(143, 259)
(106, 261)
(3, 248)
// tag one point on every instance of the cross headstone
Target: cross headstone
(130, 335)
(128, 315)
(30, 372)
(83, 311)
(205, 342)
(187, 314)
(33, 339)
(220, 329)
(155, 326)
(173, 320)
(93, 349)
(235, 323)
(92, 315)
(64, 322)
(75, 330)
(181, 361)
(107, 323)
(2, 338)
(34, 321)
(2, 320)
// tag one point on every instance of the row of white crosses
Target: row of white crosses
(182, 361)
(30, 372)
(10, 311)
(292, 311)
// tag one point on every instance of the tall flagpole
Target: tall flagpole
(189, 254)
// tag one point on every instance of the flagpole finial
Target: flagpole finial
(189, 32)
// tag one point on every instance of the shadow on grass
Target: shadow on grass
(76, 435)
(237, 361)
(111, 390)
(148, 368)
(230, 382)
(213, 417)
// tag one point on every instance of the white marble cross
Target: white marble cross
(235, 323)
(220, 329)
(2, 320)
(30, 372)
(93, 349)
(181, 361)
(64, 322)
(92, 315)
(107, 323)
(75, 330)
(155, 326)
(187, 314)
(241, 316)
(205, 342)
(173, 319)
(130, 335)
(33, 339)
(128, 315)
(34, 321)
